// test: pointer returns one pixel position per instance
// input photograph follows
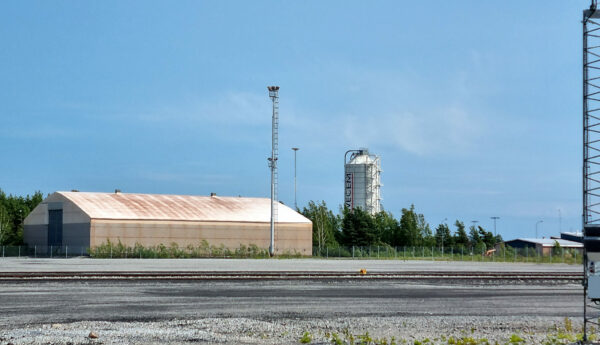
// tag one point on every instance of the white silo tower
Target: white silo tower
(362, 180)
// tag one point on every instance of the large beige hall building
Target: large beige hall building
(91, 219)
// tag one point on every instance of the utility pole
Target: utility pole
(495, 218)
(536, 227)
(559, 221)
(274, 95)
(295, 189)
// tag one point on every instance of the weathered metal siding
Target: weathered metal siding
(75, 223)
(35, 235)
(76, 234)
(294, 237)
(229, 221)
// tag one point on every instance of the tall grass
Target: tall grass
(202, 250)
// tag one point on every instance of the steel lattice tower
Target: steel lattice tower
(274, 95)
(591, 156)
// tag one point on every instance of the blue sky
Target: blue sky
(474, 106)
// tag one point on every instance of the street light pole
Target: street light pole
(295, 189)
(536, 227)
(495, 218)
(559, 221)
(443, 230)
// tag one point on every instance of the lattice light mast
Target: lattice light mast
(274, 95)
(591, 166)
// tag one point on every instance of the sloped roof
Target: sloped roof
(179, 207)
(549, 242)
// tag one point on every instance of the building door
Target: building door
(55, 227)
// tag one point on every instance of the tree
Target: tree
(410, 231)
(325, 224)
(474, 238)
(557, 249)
(427, 238)
(443, 236)
(13, 211)
(386, 226)
(358, 228)
(4, 224)
(460, 236)
(487, 237)
(499, 239)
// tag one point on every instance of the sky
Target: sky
(473, 106)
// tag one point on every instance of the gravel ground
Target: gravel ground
(275, 265)
(272, 312)
(278, 312)
(533, 330)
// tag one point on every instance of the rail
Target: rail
(312, 275)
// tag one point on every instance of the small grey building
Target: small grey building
(543, 245)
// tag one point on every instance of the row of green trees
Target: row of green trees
(359, 228)
(13, 210)
(348, 228)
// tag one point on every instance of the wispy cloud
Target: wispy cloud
(232, 109)
(188, 178)
(39, 132)
(449, 130)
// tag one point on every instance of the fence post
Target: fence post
(20, 252)
(2, 251)
(50, 252)
(35, 251)
(66, 251)
(353, 252)
(327, 251)
(378, 252)
(423, 248)
(111, 251)
(432, 254)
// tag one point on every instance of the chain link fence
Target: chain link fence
(474, 254)
(478, 254)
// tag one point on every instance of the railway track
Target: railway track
(308, 275)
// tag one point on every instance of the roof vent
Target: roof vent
(213, 194)
(117, 191)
